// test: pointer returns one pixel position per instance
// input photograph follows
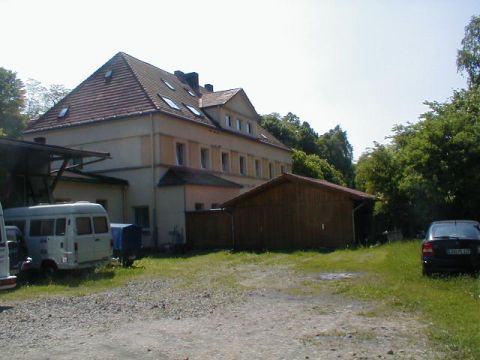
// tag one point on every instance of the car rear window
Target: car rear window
(42, 227)
(100, 224)
(84, 226)
(456, 230)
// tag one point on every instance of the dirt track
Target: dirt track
(156, 320)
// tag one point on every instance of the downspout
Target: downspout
(154, 186)
(124, 209)
(353, 219)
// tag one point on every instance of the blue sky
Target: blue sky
(365, 65)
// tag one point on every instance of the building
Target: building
(180, 146)
(288, 212)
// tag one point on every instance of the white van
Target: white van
(64, 236)
(6, 281)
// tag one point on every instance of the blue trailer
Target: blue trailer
(127, 242)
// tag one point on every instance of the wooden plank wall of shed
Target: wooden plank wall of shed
(291, 216)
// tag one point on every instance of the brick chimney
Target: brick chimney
(192, 80)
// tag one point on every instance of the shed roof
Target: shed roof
(80, 176)
(287, 177)
(185, 176)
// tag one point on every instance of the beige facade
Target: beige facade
(143, 148)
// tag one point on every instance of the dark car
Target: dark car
(451, 246)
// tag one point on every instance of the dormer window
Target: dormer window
(228, 121)
(108, 76)
(193, 110)
(171, 87)
(170, 102)
(64, 112)
(239, 125)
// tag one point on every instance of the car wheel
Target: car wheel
(426, 272)
(49, 271)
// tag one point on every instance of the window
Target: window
(108, 76)
(100, 224)
(142, 216)
(243, 165)
(180, 151)
(42, 227)
(215, 206)
(282, 169)
(60, 226)
(84, 225)
(193, 110)
(225, 162)
(258, 169)
(18, 223)
(239, 125)
(102, 202)
(204, 158)
(64, 112)
(270, 170)
(170, 102)
(198, 206)
(169, 85)
(249, 128)
(190, 92)
(228, 121)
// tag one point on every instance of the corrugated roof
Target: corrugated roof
(185, 176)
(352, 193)
(133, 89)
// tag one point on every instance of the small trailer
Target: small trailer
(127, 242)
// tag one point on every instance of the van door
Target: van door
(41, 232)
(84, 239)
(103, 244)
(4, 261)
(58, 245)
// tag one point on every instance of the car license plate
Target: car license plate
(458, 252)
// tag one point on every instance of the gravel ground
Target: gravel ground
(156, 319)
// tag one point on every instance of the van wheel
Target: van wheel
(49, 270)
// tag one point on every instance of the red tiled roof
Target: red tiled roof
(134, 89)
(352, 193)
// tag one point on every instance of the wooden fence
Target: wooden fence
(210, 229)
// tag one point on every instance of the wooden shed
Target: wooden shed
(296, 212)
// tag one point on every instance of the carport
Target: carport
(26, 169)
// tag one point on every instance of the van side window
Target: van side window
(100, 224)
(42, 227)
(84, 225)
(60, 227)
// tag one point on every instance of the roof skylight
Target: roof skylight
(169, 85)
(170, 102)
(190, 92)
(193, 110)
(108, 75)
(64, 112)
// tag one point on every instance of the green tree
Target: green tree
(468, 56)
(12, 100)
(40, 98)
(337, 150)
(312, 165)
